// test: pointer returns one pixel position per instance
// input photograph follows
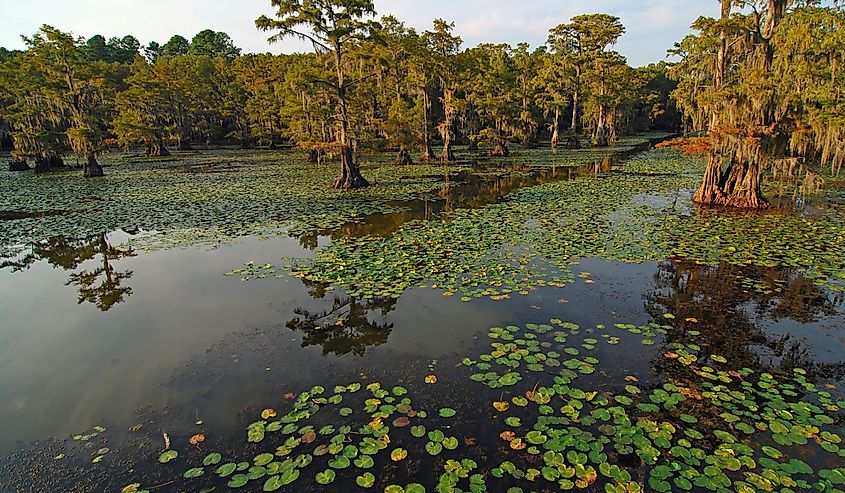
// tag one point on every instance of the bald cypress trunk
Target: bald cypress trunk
(710, 191)
(404, 157)
(92, 167)
(350, 174)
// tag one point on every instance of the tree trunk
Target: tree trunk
(183, 145)
(18, 165)
(350, 175)
(710, 191)
(448, 156)
(404, 157)
(743, 187)
(313, 156)
(42, 164)
(427, 150)
(572, 142)
(600, 137)
(576, 95)
(157, 149)
(473, 144)
(501, 150)
(556, 129)
(92, 167)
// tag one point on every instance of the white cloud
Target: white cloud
(653, 25)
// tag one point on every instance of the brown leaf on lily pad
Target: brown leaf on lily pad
(309, 438)
(197, 439)
(507, 436)
(401, 422)
(501, 406)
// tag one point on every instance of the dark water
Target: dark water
(97, 333)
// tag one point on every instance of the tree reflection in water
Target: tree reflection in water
(102, 285)
(346, 327)
(728, 305)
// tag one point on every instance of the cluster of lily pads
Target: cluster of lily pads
(530, 239)
(710, 427)
(214, 196)
(563, 421)
(347, 444)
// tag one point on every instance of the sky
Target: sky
(653, 26)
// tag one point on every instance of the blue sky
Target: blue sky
(653, 25)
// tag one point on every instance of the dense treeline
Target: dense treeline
(765, 83)
(367, 85)
(762, 82)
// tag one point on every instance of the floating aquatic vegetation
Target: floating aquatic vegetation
(531, 239)
(707, 424)
(256, 192)
(693, 431)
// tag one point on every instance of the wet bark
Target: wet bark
(556, 129)
(92, 167)
(743, 187)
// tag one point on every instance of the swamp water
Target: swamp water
(552, 321)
